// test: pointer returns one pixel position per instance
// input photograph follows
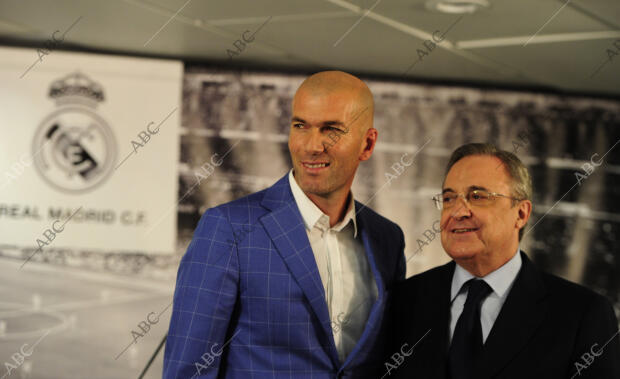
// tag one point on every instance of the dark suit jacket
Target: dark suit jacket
(546, 329)
(249, 284)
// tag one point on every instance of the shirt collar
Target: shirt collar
(499, 280)
(312, 215)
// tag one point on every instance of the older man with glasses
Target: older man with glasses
(490, 313)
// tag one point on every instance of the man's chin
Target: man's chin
(314, 187)
(461, 253)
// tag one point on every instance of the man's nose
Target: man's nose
(315, 144)
(461, 209)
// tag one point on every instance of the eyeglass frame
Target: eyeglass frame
(439, 202)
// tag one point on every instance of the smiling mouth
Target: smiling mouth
(315, 165)
(464, 230)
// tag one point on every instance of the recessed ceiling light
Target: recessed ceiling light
(456, 6)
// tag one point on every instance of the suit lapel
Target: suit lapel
(438, 319)
(421, 315)
(376, 312)
(287, 231)
(520, 316)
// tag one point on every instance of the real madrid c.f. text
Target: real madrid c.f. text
(84, 215)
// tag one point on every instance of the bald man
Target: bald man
(292, 281)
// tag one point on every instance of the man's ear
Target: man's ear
(524, 211)
(368, 144)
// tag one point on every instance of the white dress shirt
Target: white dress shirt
(350, 288)
(500, 281)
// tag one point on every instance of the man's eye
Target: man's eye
(298, 125)
(332, 128)
(447, 199)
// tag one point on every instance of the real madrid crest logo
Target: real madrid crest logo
(74, 149)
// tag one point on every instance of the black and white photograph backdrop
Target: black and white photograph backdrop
(122, 123)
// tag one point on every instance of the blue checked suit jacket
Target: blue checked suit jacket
(249, 302)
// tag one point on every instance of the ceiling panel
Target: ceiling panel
(301, 34)
(209, 10)
(606, 11)
(502, 19)
(565, 65)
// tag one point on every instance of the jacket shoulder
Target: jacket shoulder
(242, 208)
(377, 220)
(570, 293)
(428, 280)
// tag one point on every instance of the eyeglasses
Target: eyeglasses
(479, 198)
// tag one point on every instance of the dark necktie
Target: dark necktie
(467, 339)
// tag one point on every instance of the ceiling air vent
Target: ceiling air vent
(456, 6)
